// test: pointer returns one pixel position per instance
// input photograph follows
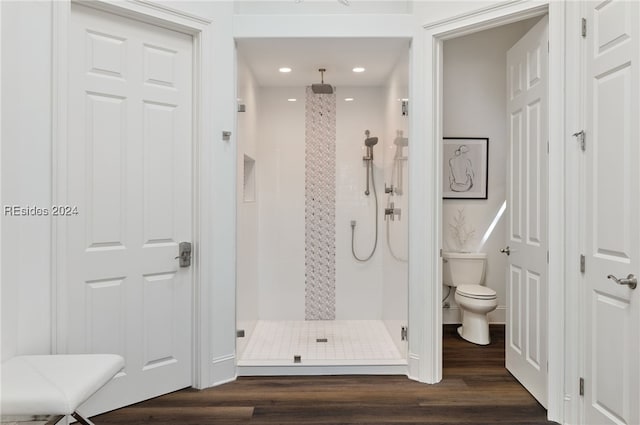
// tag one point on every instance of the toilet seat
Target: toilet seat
(477, 292)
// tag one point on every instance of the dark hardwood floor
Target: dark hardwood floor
(476, 389)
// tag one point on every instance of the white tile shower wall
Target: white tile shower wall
(281, 175)
(358, 285)
(475, 106)
(281, 195)
(320, 206)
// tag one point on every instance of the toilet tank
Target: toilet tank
(463, 268)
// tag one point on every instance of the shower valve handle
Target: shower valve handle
(391, 211)
(388, 189)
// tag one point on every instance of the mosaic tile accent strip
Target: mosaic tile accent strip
(320, 206)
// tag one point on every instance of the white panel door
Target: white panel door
(526, 330)
(129, 173)
(612, 213)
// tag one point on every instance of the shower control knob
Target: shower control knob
(391, 211)
(388, 189)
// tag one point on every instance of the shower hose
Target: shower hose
(353, 223)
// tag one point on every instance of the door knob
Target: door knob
(506, 250)
(630, 281)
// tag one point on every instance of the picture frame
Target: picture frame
(465, 167)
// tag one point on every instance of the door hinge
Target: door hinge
(404, 333)
(583, 263)
(581, 386)
(582, 139)
(583, 28)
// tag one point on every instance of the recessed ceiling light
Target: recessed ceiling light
(291, 99)
(358, 69)
(285, 69)
(348, 99)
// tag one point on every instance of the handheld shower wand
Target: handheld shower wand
(369, 142)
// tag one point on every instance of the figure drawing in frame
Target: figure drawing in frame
(465, 168)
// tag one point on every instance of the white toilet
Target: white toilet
(465, 272)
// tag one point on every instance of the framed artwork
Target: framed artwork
(465, 167)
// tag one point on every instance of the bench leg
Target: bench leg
(81, 420)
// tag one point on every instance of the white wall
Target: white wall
(26, 177)
(430, 11)
(322, 7)
(475, 106)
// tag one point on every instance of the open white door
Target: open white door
(129, 174)
(612, 212)
(527, 241)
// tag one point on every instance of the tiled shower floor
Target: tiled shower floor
(320, 342)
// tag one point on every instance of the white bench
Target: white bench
(54, 385)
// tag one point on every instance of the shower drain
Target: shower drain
(322, 340)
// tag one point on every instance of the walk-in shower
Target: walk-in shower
(369, 143)
(304, 304)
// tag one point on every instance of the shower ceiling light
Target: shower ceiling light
(284, 69)
(348, 99)
(358, 69)
(291, 100)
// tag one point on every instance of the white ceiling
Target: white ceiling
(338, 55)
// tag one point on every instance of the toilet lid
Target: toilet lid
(476, 291)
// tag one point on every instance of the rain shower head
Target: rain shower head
(322, 88)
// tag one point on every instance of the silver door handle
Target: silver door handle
(630, 281)
(506, 250)
(184, 254)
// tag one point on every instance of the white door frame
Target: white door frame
(431, 200)
(200, 29)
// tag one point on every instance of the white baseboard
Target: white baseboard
(223, 370)
(414, 367)
(498, 316)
